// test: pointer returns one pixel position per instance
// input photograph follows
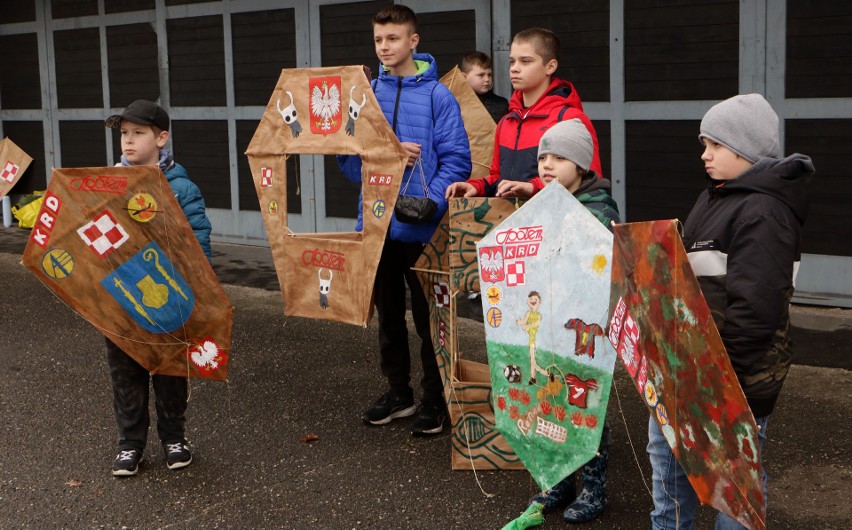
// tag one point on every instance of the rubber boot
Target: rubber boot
(558, 496)
(591, 501)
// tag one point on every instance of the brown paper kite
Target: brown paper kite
(478, 124)
(13, 162)
(114, 244)
(476, 442)
(326, 275)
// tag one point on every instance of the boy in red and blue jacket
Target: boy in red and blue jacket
(539, 101)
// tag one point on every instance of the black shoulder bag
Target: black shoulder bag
(415, 210)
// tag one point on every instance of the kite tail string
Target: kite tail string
(101, 328)
(187, 345)
(467, 442)
(630, 440)
(455, 398)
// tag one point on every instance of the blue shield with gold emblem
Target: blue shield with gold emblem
(151, 290)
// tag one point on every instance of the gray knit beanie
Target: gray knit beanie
(745, 124)
(568, 139)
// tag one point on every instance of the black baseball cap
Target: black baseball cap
(143, 112)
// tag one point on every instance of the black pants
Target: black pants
(392, 275)
(130, 387)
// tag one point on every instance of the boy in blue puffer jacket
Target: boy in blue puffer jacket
(144, 132)
(427, 120)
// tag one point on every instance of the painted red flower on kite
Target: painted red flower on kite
(501, 403)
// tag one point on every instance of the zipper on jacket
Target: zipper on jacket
(396, 104)
(517, 141)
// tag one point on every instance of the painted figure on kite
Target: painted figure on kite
(290, 116)
(354, 111)
(530, 323)
(324, 287)
(584, 343)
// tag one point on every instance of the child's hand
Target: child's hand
(460, 189)
(512, 188)
(413, 152)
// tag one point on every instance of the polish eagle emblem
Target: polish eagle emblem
(325, 105)
(491, 263)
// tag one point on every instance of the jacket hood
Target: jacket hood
(558, 93)
(591, 183)
(781, 178)
(429, 73)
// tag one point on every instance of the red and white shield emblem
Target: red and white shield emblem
(442, 294)
(266, 177)
(515, 274)
(10, 171)
(325, 104)
(103, 234)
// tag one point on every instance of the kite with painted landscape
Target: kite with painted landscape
(13, 162)
(326, 275)
(666, 337)
(545, 275)
(113, 243)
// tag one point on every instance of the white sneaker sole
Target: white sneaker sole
(179, 465)
(125, 472)
(404, 413)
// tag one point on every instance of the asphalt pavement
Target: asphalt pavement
(292, 377)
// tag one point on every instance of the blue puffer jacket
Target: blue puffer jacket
(188, 197)
(427, 114)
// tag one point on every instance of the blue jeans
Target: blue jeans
(675, 501)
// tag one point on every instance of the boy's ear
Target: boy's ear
(415, 40)
(551, 66)
(162, 138)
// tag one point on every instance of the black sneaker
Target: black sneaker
(126, 463)
(430, 419)
(178, 455)
(389, 407)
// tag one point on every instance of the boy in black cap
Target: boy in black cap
(144, 129)
(743, 240)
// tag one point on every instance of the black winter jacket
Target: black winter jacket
(743, 239)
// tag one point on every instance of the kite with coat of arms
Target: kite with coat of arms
(113, 243)
(545, 278)
(667, 339)
(326, 275)
(13, 163)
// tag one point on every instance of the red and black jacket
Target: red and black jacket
(519, 132)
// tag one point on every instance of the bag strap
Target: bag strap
(418, 165)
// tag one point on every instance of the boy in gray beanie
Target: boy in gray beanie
(745, 124)
(743, 240)
(565, 153)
